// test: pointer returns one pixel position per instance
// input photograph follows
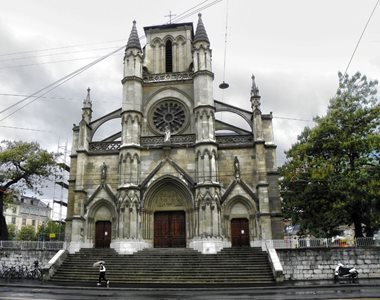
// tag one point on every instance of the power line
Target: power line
(54, 54)
(24, 128)
(360, 38)
(195, 11)
(23, 95)
(56, 84)
(293, 119)
(190, 9)
(59, 48)
(48, 62)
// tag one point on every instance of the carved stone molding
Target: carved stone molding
(167, 77)
(184, 140)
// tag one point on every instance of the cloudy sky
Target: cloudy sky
(295, 48)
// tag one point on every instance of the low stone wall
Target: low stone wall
(16, 257)
(320, 263)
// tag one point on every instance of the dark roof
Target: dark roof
(200, 34)
(133, 41)
(169, 26)
(32, 201)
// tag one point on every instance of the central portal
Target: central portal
(170, 229)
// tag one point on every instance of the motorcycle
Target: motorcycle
(342, 272)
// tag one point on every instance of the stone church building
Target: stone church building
(172, 175)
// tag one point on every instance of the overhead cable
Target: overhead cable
(55, 84)
(190, 9)
(360, 38)
(195, 11)
(58, 48)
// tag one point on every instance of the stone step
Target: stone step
(169, 265)
(172, 281)
(166, 260)
(226, 272)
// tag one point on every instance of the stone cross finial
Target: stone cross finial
(254, 88)
(255, 97)
(88, 97)
(170, 15)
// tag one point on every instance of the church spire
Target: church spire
(87, 102)
(87, 108)
(200, 33)
(255, 97)
(133, 41)
(254, 88)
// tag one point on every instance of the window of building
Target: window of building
(13, 220)
(168, 57)
(23, 221)
(14, 209)
(34, 222)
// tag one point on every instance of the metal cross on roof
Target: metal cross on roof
(170, 15)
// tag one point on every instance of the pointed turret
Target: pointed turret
(87, 101)
(200, 33)
(133, 55)
(256, 110)
(255, 97)
(87, 108)
(254, 88)
(133, 41)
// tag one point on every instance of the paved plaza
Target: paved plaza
(25, 290)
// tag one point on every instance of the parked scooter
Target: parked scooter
(342, 272)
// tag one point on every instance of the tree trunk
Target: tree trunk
(3, 224)
(358, 226)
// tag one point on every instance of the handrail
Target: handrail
(275, 263)
(300, 243)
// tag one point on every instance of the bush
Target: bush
(27, 233)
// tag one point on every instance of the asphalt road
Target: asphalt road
(11, 291)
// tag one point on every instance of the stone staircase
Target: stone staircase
(231, 266)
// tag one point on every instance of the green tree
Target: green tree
(48, 227)
(22, 165)
(27, 233)
(12, 232)
(332, 174)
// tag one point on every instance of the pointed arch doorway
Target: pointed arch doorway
(239, 232)
(103, 234)
(169, 216)
(169, 229)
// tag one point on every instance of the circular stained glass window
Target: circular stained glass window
(170, 114)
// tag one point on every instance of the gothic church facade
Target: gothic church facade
(172, 175)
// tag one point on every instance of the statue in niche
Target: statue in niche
(103, 172)
(237, 167)
(167, 134)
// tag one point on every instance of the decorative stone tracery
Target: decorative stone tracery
(168, 113)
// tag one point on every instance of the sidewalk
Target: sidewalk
(91, 285)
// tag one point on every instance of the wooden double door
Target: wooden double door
(103, 234)
(239, 232)
(170, 229)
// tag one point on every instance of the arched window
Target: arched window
(168, 57)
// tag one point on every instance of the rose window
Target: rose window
(169, 114)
